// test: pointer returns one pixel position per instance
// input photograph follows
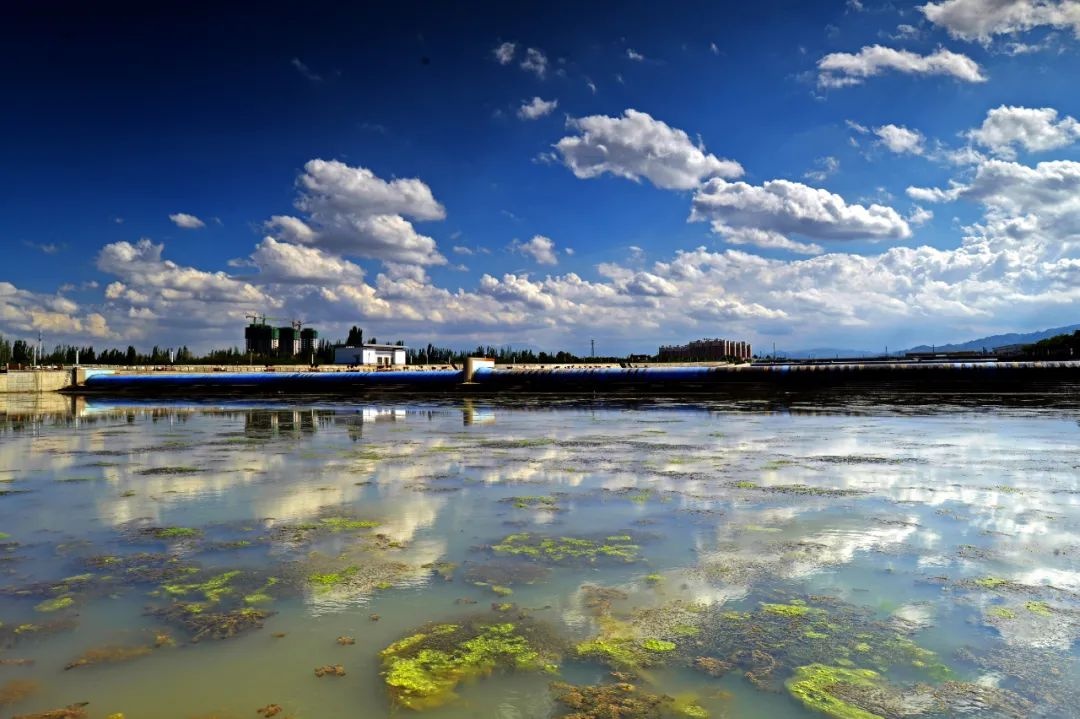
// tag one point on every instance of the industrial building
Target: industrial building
(285, 341)
(371, 354)
(706, 350)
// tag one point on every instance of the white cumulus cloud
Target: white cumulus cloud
(188, 222)
(504, 53)
(536, 108)
(768, 214)
(285, 262)
(351, 211)
(900, 140)
(635, 146)
(536, 62)
(1034, 129)
(540, 248)
(980, 20)
(840, 69)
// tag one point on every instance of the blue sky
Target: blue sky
(852, 174)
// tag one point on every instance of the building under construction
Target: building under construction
(706, 350)
(289, 340)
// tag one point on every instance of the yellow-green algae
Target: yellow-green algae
(54, 605)
(813, 685)
(422, 670)
(786, 610)
(345, 524)
(767, 645)
(1036, 607)
(212, 589)
(261, 595)
(175, 533)
(617, 548)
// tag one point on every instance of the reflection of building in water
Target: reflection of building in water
(19, 411)
(354, 422)
(281, 422)
(471, 414)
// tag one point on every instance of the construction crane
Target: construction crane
(261, 319)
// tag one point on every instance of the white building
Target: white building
(379, 355)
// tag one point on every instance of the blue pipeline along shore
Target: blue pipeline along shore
(997, 376)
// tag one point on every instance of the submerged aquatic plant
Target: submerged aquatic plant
(619, 701)
(171, 532)
(54, 605)
(347, 524)
(202, 624)
(845, 693)
(108, 655)
(213, 589)
(422, 670)
(820, 688)
(16, 690)
(506, 573)
(71, 711)
(770, 642)
(557, 550)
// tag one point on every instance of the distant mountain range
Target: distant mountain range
(977, 345)
(821, 353)
(998, 340)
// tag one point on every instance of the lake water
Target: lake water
(696, 559)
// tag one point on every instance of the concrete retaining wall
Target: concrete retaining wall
(33, 381)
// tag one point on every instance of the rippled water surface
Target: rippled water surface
(185, 560)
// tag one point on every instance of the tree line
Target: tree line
(1058, 347)
(21, 353)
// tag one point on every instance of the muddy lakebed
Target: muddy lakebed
(543, 559)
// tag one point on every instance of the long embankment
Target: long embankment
(571, 379)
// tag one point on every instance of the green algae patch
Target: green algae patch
(329, 580)
(213, 589)
(422, 670)
(558, 550)
(54, 605)
(202, 624)
(786, 610)
(539, 503)
(817, 687)
(658, 645)
(620, 653)
(769, 643)
(173, 533)
(166, 471)
(262, 594)
(626, 652)
(345, 524)
(991, 583)
(1041, 608)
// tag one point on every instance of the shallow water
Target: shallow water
(955, 529)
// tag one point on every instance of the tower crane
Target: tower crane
(261, 319)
